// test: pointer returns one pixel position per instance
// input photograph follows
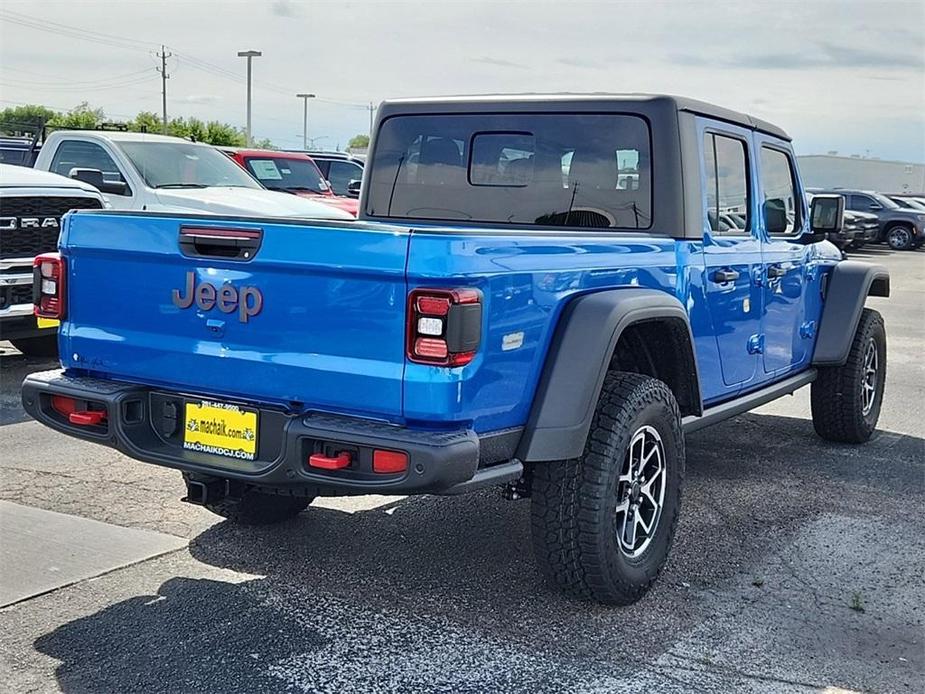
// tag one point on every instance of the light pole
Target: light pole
(250, 55)
(305, 98)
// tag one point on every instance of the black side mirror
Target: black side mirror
(826, 216)
(95, 178)
(353, 189)
(775, 216)
(875, 206)
(92, 176)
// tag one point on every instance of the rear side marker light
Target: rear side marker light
(444, 326)
(48, 284)
(389, 461)
(62, 405)
(339, 462)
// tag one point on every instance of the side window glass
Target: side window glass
(861, 203)
(85, 155)
(781, 205)
(341, 173)
(726, 184)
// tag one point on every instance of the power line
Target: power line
(74, 83)
(72, 32)
(83, 88)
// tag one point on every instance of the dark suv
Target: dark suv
(340, 169)
(903, 229)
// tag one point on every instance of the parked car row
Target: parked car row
(77, 169)
(900, 218)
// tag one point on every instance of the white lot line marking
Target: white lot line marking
(356, 504)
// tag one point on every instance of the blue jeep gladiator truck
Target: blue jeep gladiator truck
(544, 293)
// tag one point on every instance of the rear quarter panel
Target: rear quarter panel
(526, 279)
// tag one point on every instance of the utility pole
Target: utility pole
(163, 55)
(305, 98)
(250, 55)
(371, 110)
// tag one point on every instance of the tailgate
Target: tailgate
(313, 317)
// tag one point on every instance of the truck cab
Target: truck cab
(545, 293)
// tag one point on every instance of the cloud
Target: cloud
(578, 62)
(199, 99)
(825, 56)
(284, 8)
(498, 62)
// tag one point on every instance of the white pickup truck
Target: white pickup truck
(31, 205)
(141, 171)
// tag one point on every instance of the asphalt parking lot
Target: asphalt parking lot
(797, 567)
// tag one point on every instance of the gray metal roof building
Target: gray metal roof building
(864, 173)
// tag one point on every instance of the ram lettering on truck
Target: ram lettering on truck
(540, 293)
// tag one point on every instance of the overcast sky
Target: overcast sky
(847, 76)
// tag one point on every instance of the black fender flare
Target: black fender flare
(847, 287)
(577, 362)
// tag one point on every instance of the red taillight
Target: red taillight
(48, 279)
(444, 326)
(63, 405)
(389, 461)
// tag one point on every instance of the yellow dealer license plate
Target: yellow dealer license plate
(221, 429)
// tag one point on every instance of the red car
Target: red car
(290, 172)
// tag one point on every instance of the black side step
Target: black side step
(748, 402)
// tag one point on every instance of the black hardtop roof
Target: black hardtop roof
(589, 101)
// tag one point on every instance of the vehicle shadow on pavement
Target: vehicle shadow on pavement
(444, 591)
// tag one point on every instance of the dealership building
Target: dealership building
(865, 173)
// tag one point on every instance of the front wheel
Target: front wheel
(846, 399)
(899, 237)
(603, 523)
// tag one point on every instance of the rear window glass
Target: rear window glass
(574, 170)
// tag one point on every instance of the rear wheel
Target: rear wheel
(602, 524)
(846, 399)
(41, 346)
(899, 237)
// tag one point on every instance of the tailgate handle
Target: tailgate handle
(216, 242)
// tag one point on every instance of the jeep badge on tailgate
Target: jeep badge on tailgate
(248, 300)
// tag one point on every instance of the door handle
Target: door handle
(723, 276)
(776, 272)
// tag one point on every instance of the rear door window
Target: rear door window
(725, 168)
(573, 170)
(781, 206)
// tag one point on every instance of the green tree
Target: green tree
(358, 142)
(81, 116)
(265, 143)
(223, 134)
(146, 122)
(25, 120)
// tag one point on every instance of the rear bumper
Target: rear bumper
(144, 424)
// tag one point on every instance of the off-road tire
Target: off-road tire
(41, 346)
(257, 508)
(574, 502)
(836, 395)
(899, 237)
